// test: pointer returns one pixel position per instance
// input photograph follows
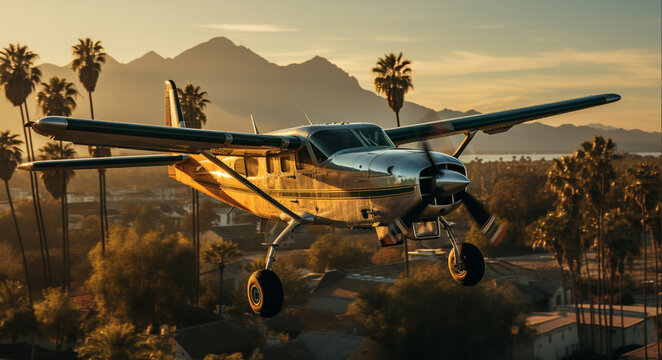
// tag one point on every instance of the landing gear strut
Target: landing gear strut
(265, 291)
(468, 268)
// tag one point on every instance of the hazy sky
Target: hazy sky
(487, 55)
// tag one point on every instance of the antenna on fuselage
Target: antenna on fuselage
(254, 126)
(307, 118)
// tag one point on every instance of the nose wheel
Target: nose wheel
(468, 268)
(471, 269)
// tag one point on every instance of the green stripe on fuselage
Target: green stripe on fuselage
(320, 194)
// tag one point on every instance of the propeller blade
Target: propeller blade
(487, 222)
(428, 154)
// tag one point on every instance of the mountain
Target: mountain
(240, 82)
(450, 114)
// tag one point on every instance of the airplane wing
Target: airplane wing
(104, 162)
(495, 122)
(161, 138)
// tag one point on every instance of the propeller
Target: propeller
(448, 182)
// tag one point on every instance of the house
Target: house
(336, 290)
(333, 346)
(220, 337)
(640, 353)
(554, 334)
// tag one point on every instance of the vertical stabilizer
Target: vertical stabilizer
(173, 111)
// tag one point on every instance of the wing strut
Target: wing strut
(208, 154)
(468, 136)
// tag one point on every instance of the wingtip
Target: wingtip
(26, 166)
(610, 98)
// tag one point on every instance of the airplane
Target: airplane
(351, 175)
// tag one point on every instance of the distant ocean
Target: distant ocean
(511, 157)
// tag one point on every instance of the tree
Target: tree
(10, 157)
(57, 97)
(193, 103)
(143, 279)
(57, 315)
(387, 255)
(393, 79)
(19, 77)
(598, 173)
(115, 341)
(644, 190)
(412, 316)
(221, 253)
(55, 182)
(550, 234)
(16, 316)
(331, 252)
(88, 58)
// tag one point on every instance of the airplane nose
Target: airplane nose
(451, 182)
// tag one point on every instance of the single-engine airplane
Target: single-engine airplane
(346, 175)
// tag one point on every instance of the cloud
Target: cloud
(257, 28)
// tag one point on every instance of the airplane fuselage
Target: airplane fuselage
(358, 186)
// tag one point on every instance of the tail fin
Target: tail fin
(173, 111)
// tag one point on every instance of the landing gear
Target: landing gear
(469, 268)
(265, 291)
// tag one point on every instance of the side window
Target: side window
(240, 166)
(272, 164)
(303, 159)
(285, 163)
(251, 166)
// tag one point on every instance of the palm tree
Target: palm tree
(393, 78)
(644, 190)
(597, 159)
(88, 58)
(55, 182)
(115, 341)
(10, 157)
(57, 97)
(15, 310)
(193, 103)
(19, 76)
(221, 253)
(565, 181)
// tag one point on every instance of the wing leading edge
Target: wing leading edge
(161, 138)
(495, 122)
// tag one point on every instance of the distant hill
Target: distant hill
(240, 82)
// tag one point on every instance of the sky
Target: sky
(475, 54)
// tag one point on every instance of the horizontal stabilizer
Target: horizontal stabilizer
(104, 163)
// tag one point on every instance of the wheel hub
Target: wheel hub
(255, 295)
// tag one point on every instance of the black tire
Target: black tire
(473, 265)
(265, 293)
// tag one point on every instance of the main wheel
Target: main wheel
(472, 268)
(265, 293)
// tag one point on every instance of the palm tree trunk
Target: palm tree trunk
(397, 118)
(656, 250)
(91, 107)
(590, 301)
(643, 237)
(612, 278)
(579, 300)
(560, 264)
(28, 283)
(221, 267)
(105, 204)
(101, 214)
(64, 245)
(195, 237)
(37, 202)
(620, 292)
(576, 305)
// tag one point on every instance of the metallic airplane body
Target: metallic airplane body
(349, 175)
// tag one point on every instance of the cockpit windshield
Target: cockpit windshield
(374, 136)
(330, 141)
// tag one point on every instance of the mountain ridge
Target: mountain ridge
(239, 83)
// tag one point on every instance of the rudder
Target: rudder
(173, 111)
